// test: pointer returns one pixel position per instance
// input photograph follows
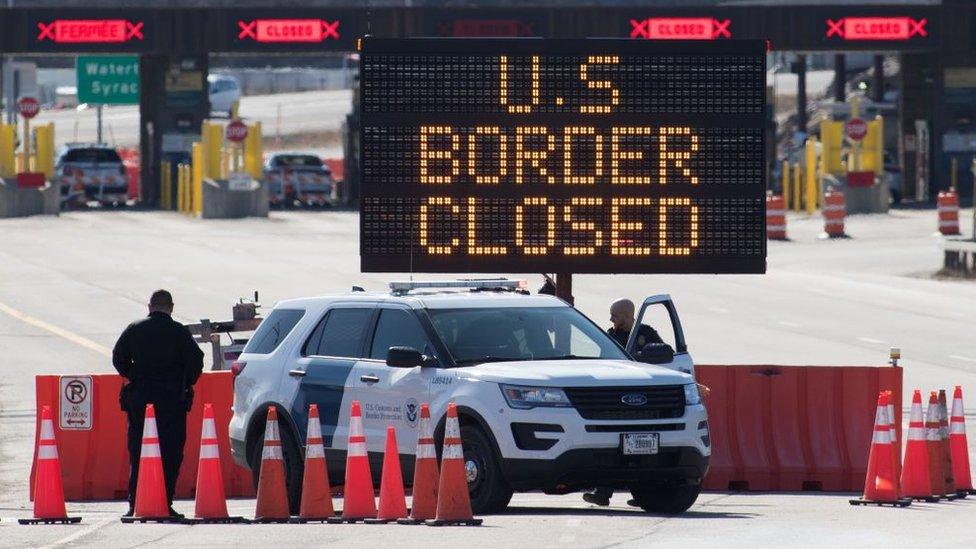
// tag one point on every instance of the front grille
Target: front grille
(663, 402)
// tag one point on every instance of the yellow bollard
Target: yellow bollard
(180, 188)
(8, 159)
(197, 176)
(786, 183)
(253, 154)
(810, 150)
(165, 185)
(796, 187)
(44, 153)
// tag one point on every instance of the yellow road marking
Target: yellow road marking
(60, 332)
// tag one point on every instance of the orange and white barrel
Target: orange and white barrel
(948, 205)
(775, 217)
(834, 212)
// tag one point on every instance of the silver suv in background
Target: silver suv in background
(296, 177)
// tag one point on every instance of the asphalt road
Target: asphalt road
(68, 285)
(284, 114)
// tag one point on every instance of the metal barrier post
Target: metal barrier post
(796, 187)
(197, 166)
(180, 188)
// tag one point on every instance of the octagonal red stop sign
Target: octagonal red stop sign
(855, 129)
(28, 107)
(236, 131)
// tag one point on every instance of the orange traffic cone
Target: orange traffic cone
(316, 494)
(48, 488)
(151, 501)
(895, 443)
(950, 481)
(272, 504)
(933, 444)
(424, 503)
(211, 503)
(959, 446)
(393, 502)
(358, 501)
(453, 501)
(880, 485)
(915, 482)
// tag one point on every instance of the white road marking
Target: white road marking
(963, 358)
(870, 340)
(81, 533)
(60, 332)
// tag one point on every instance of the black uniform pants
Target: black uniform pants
(171, 425)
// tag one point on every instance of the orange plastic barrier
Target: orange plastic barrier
(130, 160)
(337, 166)
(834, 211)
(793, 428)
(775, 217)
(948, 206)
(95, 463)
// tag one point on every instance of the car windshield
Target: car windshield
(92, 156)
(521, 333)
(297, 161)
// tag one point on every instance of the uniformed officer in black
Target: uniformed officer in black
(622, 317)
(161, 362)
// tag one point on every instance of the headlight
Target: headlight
(691, 394)
(531, 397)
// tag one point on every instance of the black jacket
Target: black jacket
(159, 351)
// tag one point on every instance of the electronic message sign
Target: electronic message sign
(587, 156)
(82, 31)
(285, 30)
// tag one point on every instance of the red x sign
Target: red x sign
(90, 31)
(876, 28)
(288, 30)
(680, 28)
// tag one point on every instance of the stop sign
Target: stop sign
(236, 131)
(855, 129)
(28, 107)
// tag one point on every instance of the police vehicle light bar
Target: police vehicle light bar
(474, 284)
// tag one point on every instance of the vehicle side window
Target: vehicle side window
(273, 330)
(313, 341)
(658, 318)
(341, 333)
(397, 328)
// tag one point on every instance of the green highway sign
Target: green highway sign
(108, 79)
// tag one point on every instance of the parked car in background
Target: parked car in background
(298, 178)
(224, 91)
(91, 172)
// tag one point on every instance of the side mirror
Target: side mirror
(656, 353)
(406, 357)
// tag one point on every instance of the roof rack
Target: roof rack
(473, 284)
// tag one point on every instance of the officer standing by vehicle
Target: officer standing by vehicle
(622, 317)
(161, 362)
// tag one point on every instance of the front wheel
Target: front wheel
(665, 499)
(294, 469)
(486, 485)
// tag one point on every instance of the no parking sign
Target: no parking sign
(75, 407)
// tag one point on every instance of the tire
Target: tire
(665, 499)
(294, 468)
(487, 487)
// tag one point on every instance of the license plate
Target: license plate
(640, 443)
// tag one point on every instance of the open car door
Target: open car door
(667, 349)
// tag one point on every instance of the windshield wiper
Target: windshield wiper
(487, 358)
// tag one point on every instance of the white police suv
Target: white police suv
(547, 400)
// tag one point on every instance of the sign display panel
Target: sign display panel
(680, 28)
(284, 30)
(96, 31)
(108, 79)
(588, 156)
